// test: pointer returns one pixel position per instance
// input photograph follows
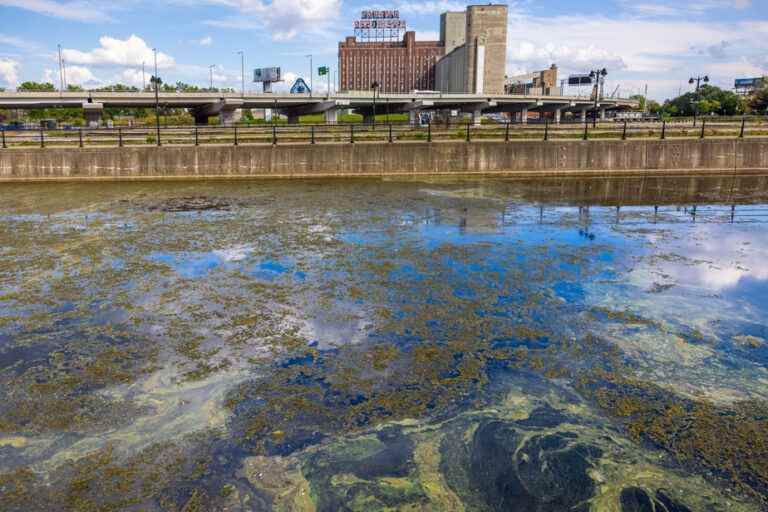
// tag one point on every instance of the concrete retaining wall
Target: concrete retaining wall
(373, 159)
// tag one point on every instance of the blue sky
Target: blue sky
(656, 42)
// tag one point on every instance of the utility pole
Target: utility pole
(156, 80)
(62, 85)
(597, 75)
(311, 74)
(242, 72)
(143, 79)
(697, 81)
(645, 109)
(210, 68)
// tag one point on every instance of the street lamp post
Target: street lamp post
(311, 75)
(374, 86)
(242, 73)
(210, 69)
(156, 81)
(597, 75)
(697, 81)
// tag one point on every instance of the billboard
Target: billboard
(748, 82)
(380, 25)
(267, 75)
(579, 80)
(300, 87)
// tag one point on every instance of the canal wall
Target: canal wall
(536, 158)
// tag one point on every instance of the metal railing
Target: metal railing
(239, 135)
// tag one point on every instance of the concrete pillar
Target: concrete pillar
(200, 118)
(558, 115)
(229, 116)
(602, 113)
(477, 117)
(368, 118)
(293, 118)
(524, 116)
(583, 115)
(92, 113)
(413, 117)
(332, 116)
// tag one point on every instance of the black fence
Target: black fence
(364, 133)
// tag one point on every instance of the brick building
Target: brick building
(398, 67)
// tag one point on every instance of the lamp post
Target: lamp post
(374, 86)
(210, 69)
(697, 81)
(311, 74)
(242, 73)
(597, 75)
(156, 81)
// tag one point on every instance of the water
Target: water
(569, 344)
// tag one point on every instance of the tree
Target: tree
(74, 88)
(758, 103)
(117, 88)
(641, 99)
(710, 99)
(36, 87)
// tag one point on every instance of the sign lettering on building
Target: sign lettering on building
(380, 25)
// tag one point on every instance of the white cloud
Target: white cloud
(133, 77)
(129, 52)
(431, 7)
(78, 10)
(283, 19)
(9, 71)
(48, 77)
(206, 41)
(79, 75)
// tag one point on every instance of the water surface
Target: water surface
(480, 345)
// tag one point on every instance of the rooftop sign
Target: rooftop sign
(380, 25)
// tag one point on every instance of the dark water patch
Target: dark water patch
(499, 469)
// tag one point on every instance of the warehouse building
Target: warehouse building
(470, 56)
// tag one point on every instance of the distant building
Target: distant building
(470, 56)
(477, 66)
(397, 66)
(539, 82)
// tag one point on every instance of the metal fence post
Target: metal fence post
(429, 131)
(624, 133)
(351, 133)
(119, 137)
(506, 133)
(42, 137)
(469, 136)
(159, 143)
(663, 130)
(312, 131)
(546, 130)
(81, 137)
(3, 133)
(741, 133)
(197, 141)
(390, 134)
(586, 131)
(235, 135)
(703, 126)
(274, 135)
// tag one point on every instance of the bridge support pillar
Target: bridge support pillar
(331, 116)
(368, 118)
(583, 115)
(92, 113)
(230, 116)
(558, 115)
(201, 119)
(293, 118)
(477, 117)
(602, 113)
(413, 118)
(524, 116)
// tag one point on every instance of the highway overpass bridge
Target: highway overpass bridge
(224, 105)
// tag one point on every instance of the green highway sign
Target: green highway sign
(322, 71)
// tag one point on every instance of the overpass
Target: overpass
(224, 105)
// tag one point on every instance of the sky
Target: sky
(658, 43)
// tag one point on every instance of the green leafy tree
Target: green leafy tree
(758, 103)
(640, 98)
(36, 87)
(710, 99)
(74, 88)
